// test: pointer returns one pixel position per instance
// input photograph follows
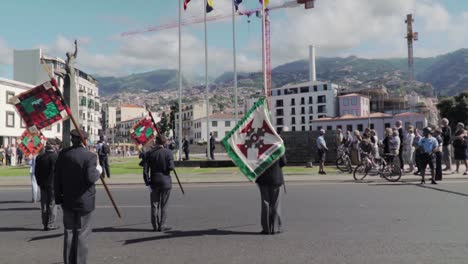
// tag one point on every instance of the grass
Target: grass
(129, 165)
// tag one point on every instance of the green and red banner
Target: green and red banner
(143, 131)
(31, 144)
(253, 143)
(41, 106)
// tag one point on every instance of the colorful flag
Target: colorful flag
(253, 143)
(185, 4)
(265, 2)
(143, 131)
(31, 144)
(237, 3)
(209, 6)
(41, 106)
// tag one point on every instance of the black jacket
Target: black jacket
(273, 176)
(446, 135)
(44, 169)
(212, 143)
(158, 163)
(75, 177)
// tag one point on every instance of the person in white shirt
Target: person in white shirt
(322, 150)
(408, 148)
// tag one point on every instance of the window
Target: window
(293, 120)
(360, 127)
(372, 126)
(293, 128)
(304, 89)
(322, 109)
(310, 119)
(279, 103)
(302, 128)
(419, 125)
(329, 127)
(302, 100)
(338, 127)
(279, 121)
(315, 88)
(9, 95)
(215, 134)
(349, 128)
(279, 130)
(345, 112)
(303, 120)
(293, 101)
(346, 101)
(302, 110)
(310, 100)
(279, 112)
(325, 87)
(10, 119)
(321, 99)
(407, 124)
(311, 110)
(293, 111)
(227, 123)
(387, 125)
(214, 123)
(83, 103)
(319, 127)
(22, 123)
(310, 128)
(354, 101)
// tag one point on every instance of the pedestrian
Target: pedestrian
(395, 143)
(399, 128)
(460, 148)
(1, 158)
(158, 162)
(417, 151)
(269, 183)
(339, 137)
(103, 151)
(212, 146)
(19, 156)
(438, 154)
(408, 149)
(355, 157)
(446, 145)
(374, 139)
(321, 151)
(460, 126)
(429, 145)
(8, 154)
(185, 148)
(44, 171)
(76, 172)
(32, 174)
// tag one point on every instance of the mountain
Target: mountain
(152, 81)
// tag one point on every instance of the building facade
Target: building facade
(128, 111)
(353, 104)
(27, 68)
(220, 125)
(190, 113)
(295, 106)
(11, 124)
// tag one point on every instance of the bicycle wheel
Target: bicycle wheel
(342, 165)
(392, 172)
(350, 166)
(360, 172)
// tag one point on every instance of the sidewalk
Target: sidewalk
(237, 177)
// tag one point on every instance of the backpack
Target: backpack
(105, 149)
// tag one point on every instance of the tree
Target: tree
(455, 109)
(164, 124)
(172, 121)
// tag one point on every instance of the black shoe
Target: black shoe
(263, 232)
(416, 173)
(164, 228)
(423, 182)
(433, 182)
(278, 231)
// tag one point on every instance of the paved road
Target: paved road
(218, 223)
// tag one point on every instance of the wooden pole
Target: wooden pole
(54, 83)
(159, 132)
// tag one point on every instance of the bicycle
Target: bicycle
(385, 167)
(343, 162)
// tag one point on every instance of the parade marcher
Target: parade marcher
(399, 128)
(212, 146)
(438, 154)
(269, 183)
(408, 149)
(19, 156)
(34, 187)
(185, 148)
(44, 171)
(158, 163)
(429, 146)
(103, 151)
(321, 150)
(447, 144)
(76, 172)
(460, 148)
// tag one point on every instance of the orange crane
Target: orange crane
(257, 11)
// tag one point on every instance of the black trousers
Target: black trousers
(48, 207)
(271, 208)
(77, 228)
(186, 155)
(400, 156)
(425, 160)
(438, 167)
(104, 162)
(159, 199)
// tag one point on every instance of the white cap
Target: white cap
(322, 130)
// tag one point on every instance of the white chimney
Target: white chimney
(312, 75)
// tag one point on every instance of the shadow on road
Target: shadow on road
(117, 229)
(20, 209)
(14, 202)
(431, 187)
(191, 233)
(45, 237)
(15, 229)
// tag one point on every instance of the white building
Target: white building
(377, 121)
(129, 111)
(190, 113)
(295, 106)
(11, 124)
(27, 68)
(220, 125)
(109, 120)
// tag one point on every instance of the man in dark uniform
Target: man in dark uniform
(158, 162)
(76, 172)
(269, 183)
(212, 146)
(103, 151)
(44, 171)
(185, 148)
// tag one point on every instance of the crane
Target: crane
(257, 11)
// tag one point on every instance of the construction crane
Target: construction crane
(410, 36)
(257, 11)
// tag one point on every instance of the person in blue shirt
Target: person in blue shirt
(428, 145)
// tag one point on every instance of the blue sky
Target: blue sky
(367, 28)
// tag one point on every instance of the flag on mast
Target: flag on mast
(41, 106)
(209, 6)
(185, 4)
(253, 143)
(237, 3)
(143, 131)
(31, 144)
